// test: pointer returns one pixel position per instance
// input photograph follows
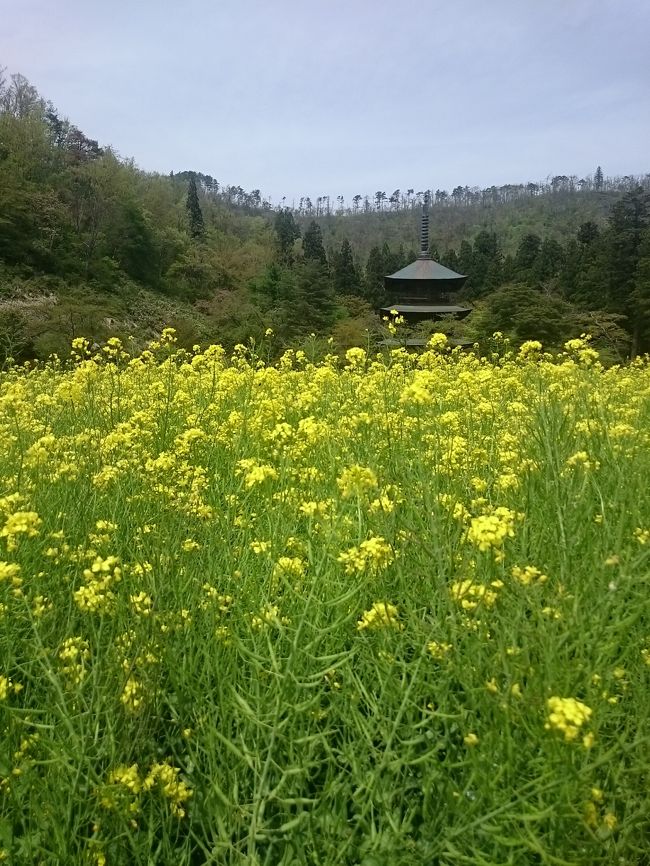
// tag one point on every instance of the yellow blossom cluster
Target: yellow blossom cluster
(74, 655)
(162, 776)
(439, 649)
(356, 481)
(568, 716)
(372, 554)
(489, 531)
(96, 594)
(8, 686)
(382, 614)
(20, 524)
(528, 575)
(470, 595)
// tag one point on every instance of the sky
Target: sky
(339, 97)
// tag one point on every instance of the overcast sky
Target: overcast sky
(316, 97)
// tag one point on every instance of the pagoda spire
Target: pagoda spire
(424, 229)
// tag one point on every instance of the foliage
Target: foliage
(194, 215)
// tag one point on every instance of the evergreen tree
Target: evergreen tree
(598, 179)
(194, 215)
(641, 297)
(485, 270)
(312, 244)
(549, 261)
(628, 224)
(465, 258)
(286, 232)
(526, 255)
(587, 233)
(508, 269)
(450, 260)
(344, 274)
(373, 281)
(314, 307)
(392, 261)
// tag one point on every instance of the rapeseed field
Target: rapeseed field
(374, 610)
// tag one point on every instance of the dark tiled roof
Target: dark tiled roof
(425, 269)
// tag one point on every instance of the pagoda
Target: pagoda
(424, 289)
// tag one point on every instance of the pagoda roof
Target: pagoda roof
(425, 308)
(425, 269)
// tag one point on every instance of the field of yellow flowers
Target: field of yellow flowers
(372, 610)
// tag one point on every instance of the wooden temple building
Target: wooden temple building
(425, 289)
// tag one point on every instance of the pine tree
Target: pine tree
(194, 215)
(628, 224)
(286, 232)
(373, 282)
(314, 307)
(312, 244)
(598, 179)
(549, 261)
(344, 273)
(641, 297)
(526, 255)
(587, 233)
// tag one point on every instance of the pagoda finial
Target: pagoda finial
(424, 229)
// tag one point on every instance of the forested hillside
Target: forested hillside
(92, 245)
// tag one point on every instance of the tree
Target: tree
(345, 277)
(628, 250)
(522, 313)
(465, 258)
(549, 261)
(20, 98)
(598, 179)
(373, 282)
(313, 308)
(526, 254)
(194, 215)
(312, 244)
(587, 233)
(286, 232)
(641, 297)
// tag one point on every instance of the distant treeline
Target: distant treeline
(399, 200)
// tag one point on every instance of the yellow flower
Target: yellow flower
(19, 523)
(471, 740)
(491, 530)
(128, 777)
(528, 575)
(356, 481)
(382, 614)
(568, 715)
(610, 821)
(470, 594)
(439, 649)
(132, 696)
(371, 555)
(165, 777)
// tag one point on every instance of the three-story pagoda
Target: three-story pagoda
(424, 289)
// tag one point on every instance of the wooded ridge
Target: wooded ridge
(91, 245)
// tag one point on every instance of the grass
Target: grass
(315, 613)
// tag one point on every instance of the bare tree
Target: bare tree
(20, 98)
